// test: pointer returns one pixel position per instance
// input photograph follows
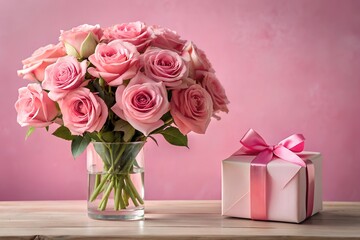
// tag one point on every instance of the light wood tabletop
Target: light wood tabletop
(169, 220)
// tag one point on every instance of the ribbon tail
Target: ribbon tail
(287, 155)
(310, 191)
(258, 185)
(258, 175)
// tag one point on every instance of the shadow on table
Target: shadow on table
(333, 219)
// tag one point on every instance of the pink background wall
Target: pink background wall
(287, 66)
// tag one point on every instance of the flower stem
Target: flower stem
(103, 204)
(97, 180)
(133, 189)
(105, 198)
(126, 198)
(131, 194)
(121, 201)
(116, 196)
(98, 189)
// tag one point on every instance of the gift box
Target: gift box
(276, 183)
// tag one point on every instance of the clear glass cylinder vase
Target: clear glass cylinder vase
(115, 181)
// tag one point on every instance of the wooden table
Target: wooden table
(169, 220)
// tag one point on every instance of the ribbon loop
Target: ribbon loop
(287, 155)
(253, 143)
(295, 142)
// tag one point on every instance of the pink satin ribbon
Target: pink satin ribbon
(254, 144)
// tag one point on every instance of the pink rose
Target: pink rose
(168, 39)
(83, 111)
(209, 81)
(136, 33)
(34, 66)
(164, 65)
(114, 62)
(197, 59)
(191, 109)
(34, 107)
(63, 76)
(142, 103)
(81, 41)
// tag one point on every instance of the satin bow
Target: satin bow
(253, 143)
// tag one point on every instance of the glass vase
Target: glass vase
(115, 181)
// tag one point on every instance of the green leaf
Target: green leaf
(108, 137)
(120, 124)
(70, 50)
(129, 133)
(126, 128)
(94, 136)
(64, 133)
(104, 152)
(166, 117)
(102, 82)
(29, 132)
(129, 155)
(47, 128)
(126, 82)
(175, 137)
(79, 144)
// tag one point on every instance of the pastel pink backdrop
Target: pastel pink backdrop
(287, 66)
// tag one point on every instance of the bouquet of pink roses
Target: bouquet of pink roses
(123, 83)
